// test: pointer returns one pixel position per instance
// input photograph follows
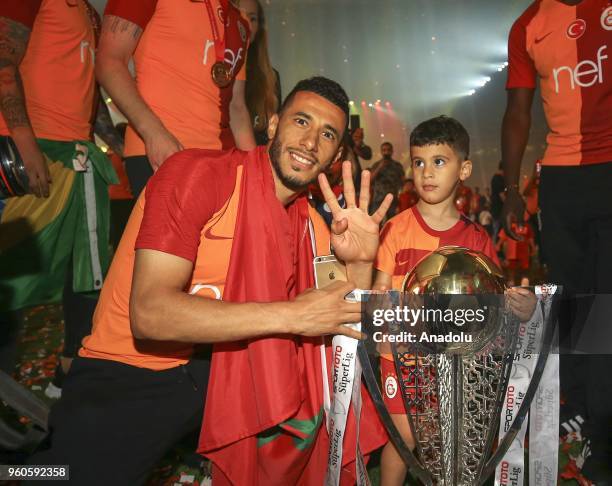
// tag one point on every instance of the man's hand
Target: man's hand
(323, 312)
(522, 302)
(512, 213)
(160, 145)
(35, 166)
(355, 233)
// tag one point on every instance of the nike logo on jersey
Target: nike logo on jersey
(540, 39)
(209, 236)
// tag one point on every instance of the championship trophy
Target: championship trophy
(454, 373)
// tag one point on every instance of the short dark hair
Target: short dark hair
(442, 130)
(386, 143)
(324, 87)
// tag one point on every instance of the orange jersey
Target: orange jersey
(569, 48)
(407, 238)
(173, 62)
(176, 216)
(58, 67)
(188, 209)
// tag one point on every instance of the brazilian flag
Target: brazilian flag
(39, 236)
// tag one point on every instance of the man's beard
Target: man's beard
(387, 157)
(289, 182)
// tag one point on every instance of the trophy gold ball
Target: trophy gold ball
(451, 278)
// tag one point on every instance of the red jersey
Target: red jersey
(173, 215)
(568, 48)
(407, 238)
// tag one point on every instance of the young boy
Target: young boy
(439, 150)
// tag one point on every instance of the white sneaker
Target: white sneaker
(53, 392)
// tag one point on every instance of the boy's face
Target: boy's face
(437, 170)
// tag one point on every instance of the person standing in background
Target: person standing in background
(263, 88)
(189, 90)
(408, 197)
(387, 177)
(565, 46)
(54, 241)
(358, 146)
(532, 209)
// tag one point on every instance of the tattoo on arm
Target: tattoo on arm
(14, 38)
(13, 106)
(116, 25)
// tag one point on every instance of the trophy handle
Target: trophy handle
(504, 445)
(406, 454)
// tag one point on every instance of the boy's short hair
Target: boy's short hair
(442, 130)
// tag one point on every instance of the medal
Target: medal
(220, 73)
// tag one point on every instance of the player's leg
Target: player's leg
(565, 242)
(393, 469)
(599, 381)
(115, 421)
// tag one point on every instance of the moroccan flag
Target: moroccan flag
(264, 422)
(38, 236)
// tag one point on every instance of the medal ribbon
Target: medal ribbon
(544, 417)
(542, 438)
(346, 392)
(219, 41)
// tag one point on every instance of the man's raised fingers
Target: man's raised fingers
(328, 194)
(380, 213)
(364, 195)
(347, 184)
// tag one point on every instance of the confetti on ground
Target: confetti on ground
(40, 343)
